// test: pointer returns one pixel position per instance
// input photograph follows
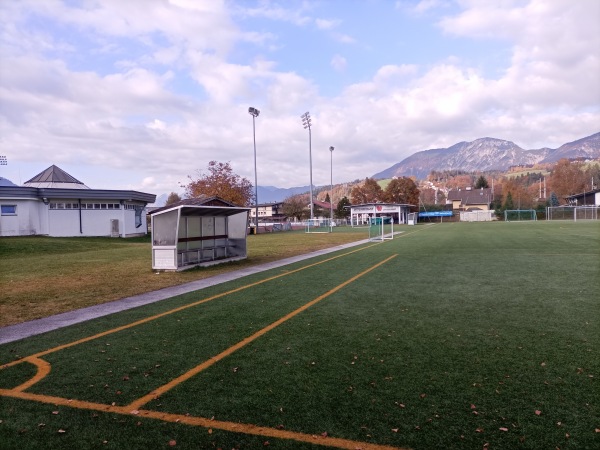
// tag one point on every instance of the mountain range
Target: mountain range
(480, 155)
(488, 154)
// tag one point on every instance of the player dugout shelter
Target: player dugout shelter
(186, 236)
(362, 214)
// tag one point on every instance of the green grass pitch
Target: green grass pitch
(452, 336)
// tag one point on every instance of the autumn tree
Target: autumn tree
(341, 212)
(221, 181)
(402, 190)
(172, 199)
(296, 206)
(368, 192)
(567, 178)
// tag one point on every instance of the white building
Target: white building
(366, 212)
(53, 203)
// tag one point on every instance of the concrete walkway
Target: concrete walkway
(23, 330)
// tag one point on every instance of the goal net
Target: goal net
(318, 226)
(381, 229)
(516, 215)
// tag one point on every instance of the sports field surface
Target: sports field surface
(453, 336)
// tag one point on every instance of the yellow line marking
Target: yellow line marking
(133, 408)
(172, 311)
(233, 427)
(43, 369)
(206, 364)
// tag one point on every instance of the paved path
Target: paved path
(22, 330)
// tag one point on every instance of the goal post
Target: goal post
(381, 229)
(319, 226)
(518, 215)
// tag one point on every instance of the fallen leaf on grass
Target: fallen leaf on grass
(503, 429)
(538, 412)
(473, 406)
(62, 431)
(423, 395)
(172, 443)
(395, 430)
(479, 430)
(55, 412)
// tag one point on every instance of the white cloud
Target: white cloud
(175, 83)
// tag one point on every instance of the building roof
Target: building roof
(55, 177)
(6, 182)
(582, 194)
(203, 200)
(55, 184)
(471, 196)
(320, 204)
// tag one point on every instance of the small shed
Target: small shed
(186, 236)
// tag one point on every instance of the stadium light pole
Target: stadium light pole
(306, 122)
(331, 188)
(254, 113)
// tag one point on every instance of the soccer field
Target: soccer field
(458, 335)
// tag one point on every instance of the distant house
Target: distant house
(54, 203)
(268, 212)
(589, 198)
(470, 199)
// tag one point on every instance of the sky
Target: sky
(143, 94)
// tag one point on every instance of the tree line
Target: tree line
(562, 179)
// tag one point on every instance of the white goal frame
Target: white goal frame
(522, 215)
(318, 226)
(377, 230)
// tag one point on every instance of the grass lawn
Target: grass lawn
(456, 336)
(41, 276)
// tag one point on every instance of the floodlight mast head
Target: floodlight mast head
(306, 120)
(253, 111)
(3, 161)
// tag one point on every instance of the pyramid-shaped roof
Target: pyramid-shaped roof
(55, 177)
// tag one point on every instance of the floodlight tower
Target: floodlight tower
(254, 113)
(307, 123)
(331, 189)
(3, 161)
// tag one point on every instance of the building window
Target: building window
(9, 210)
